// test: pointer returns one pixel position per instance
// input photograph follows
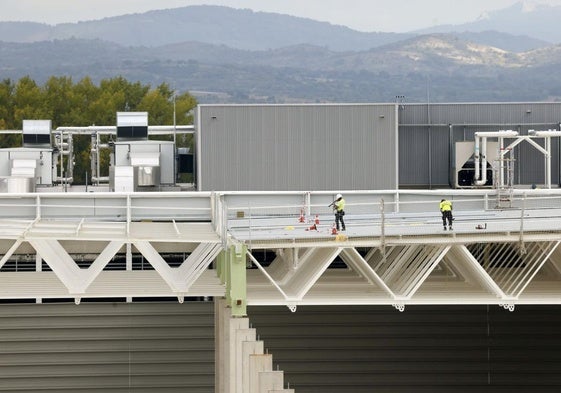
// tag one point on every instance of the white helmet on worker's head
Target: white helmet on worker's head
(338, 196)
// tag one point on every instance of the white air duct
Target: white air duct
(547, 135)
(480, 177)
(544, 134)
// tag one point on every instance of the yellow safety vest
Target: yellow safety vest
(340, 205)
(445, 205)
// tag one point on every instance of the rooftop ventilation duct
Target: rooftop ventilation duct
(36, 133)
(132, 126)
(480, 154)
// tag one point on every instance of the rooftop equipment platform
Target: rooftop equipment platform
(394, 252)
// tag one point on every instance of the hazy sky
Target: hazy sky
(363, 15)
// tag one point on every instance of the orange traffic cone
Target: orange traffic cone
(312, 228)
(317, 220)
(302, 218)
(333, 230)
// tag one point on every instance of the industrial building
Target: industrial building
(359, 146)
(238, 283)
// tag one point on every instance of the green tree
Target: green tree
(6, 104)
(129, 94)
(79, 110)
(58, 93)
(7, 88)
(29, 102)
(158, 106)
(184, 105)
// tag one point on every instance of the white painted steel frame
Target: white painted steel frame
(405, 250)
(59, 227)
(414, 263)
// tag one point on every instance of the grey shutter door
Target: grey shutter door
(107, 347)
(376, 349)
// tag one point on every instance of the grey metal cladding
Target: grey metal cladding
(298, 147)
(413, 156)
(354, 146)
(509, 115)
(424, 164)
(107, 347)
(427, 348)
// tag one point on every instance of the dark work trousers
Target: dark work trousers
(447, 216)
(339, 222)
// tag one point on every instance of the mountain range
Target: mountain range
(215, 53)
(238, 28)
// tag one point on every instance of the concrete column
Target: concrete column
(222, 315)
(240, 364)
(249, 348)
(241, 336)
(234, 361)
(270, 380)
(226, 356)
(258, 364)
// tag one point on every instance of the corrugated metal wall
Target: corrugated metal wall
(169, 347)
(297, 147)
(353, 146)
(364, 349)
(107, 348)
(428, 132)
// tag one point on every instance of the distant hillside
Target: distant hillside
(429, 54)
(235, 28)
(453, 70)
(510, 42)
(521, 19)
(24, 31)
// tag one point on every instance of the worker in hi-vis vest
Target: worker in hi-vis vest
(339, 210)
(446, 210)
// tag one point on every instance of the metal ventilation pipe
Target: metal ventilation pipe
(548, 133)
(480, 177)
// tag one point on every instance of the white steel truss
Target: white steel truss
(411, 274)
(394, 252)
(74, 260)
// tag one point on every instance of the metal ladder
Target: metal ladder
(504, 190)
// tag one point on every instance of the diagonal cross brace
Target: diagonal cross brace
(469, 265)
(65, 268)
(9, 253)
(198, 261)
(353, 258)
(311, 267)
(180, 279)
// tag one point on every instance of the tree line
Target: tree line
(84, 103)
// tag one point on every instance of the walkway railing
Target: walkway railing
(254, 213)
(254, 216)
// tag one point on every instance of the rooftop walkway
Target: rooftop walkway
(394, 251)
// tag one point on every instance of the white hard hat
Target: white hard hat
(338, 196)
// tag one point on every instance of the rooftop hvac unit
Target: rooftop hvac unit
(464, 169)
(147, 168)
(186, 160)
(132, 125)
(36, 133)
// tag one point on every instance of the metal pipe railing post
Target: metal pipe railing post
(128, 214)
(521, 241)
(382, 230)
(38, 208)
(224, 221)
